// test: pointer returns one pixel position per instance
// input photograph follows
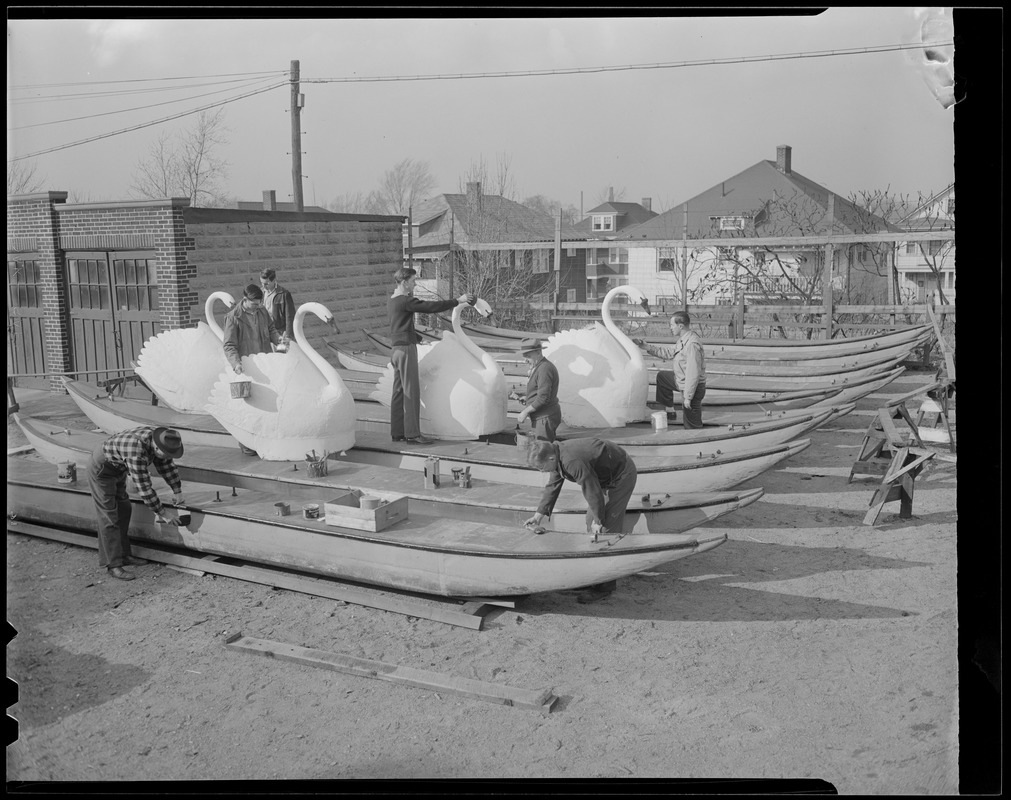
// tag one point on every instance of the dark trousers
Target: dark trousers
(405, 404)
(545, 425)
(618, 493)
(666, 385)
(113, 510)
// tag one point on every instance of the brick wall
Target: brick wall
(346, 262)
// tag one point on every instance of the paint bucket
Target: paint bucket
(369, 502)
(659, 420)
(281, 509)
(316, 469)
(310, 511)
(240, 389)
(184, 519)
(66, 472)
(431, 473)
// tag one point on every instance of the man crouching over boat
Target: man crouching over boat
(131, 453)
(606, 474)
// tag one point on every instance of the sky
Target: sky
(855, 122)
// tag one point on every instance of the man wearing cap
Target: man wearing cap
(130, 454)
(405, 404)
(606, 474)
(541, 399)
(247, 331)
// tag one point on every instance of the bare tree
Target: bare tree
(23, 177)
(501, 183)
(544, 205)
(405, 185)
(357, 203)
(186, 166)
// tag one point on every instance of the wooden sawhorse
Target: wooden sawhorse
(898, 456)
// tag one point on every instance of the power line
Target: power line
(630, 67)
(148, 80)
(123, 92)
(119, 111)
(145, 124)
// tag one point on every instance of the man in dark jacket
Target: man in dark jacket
(247, 331)
(405, 404)
(605, 473)
(541, 399)
(278, 302)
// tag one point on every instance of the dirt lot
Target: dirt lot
(808, 646)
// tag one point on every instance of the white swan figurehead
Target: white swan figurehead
(602, 378)
(297, 403)
(182, 365)
(463, 388)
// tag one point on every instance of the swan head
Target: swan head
(320, 311)
(225, 298)
(637, 296)
(482, 307)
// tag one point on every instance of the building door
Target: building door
(26, 352)
(113, 299)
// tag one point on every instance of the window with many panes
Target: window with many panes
(542, 261)
(23, 279)
(603, 222)
(667, 260)
(617, 255)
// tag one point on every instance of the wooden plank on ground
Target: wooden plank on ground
(538, 700)
(331, 589)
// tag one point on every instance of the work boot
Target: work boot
(122, 574)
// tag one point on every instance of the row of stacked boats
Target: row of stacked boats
(460, 537)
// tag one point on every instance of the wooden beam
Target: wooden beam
(536, 700)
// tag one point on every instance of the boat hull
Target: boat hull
(420, 553)
(488, 502)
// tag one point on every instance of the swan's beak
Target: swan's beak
(645, 305)
(333, 324)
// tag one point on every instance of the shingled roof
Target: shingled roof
(626, 214)
(751, 194)
(476, 218)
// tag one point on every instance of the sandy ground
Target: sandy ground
(808, 646)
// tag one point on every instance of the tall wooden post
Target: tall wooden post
(452, 254)
(410, 237)
(826, 292)
(558, 258)
(684, 259)
(296, 140)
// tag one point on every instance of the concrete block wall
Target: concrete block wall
(346, 262)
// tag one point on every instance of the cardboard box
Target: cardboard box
(344, 511)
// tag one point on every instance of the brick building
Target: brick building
(89, 283)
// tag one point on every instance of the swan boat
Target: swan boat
(181, 365)
(505, 463)
(421, 553)
(486, 501)
(719, 376)
(724, 432)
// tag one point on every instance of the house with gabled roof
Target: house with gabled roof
(768, 199)
(454, 238)
(607, 266)
(926, 269)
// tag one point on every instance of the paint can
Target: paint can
(310, 511)
(367, 502)
(281, 509)
(240, 389)
(66, 472)
(431, 473)
(184, 519)
(659, 419)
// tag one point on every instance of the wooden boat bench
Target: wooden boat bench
(900, 455)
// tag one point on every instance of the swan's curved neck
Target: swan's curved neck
(326, 370)
(627, 344)
(209, 316)
(465, 340)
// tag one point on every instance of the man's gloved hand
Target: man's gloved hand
(178, 500)
(472, 299)
(237, 369)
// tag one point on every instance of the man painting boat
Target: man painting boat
(606, 474)
(688, 375)
(131, 453)
(541, 399)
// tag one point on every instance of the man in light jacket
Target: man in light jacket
(688, 375)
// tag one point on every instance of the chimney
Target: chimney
(610, 194)
(647, 203)
(783, 158)
(269, 200)
(474, 193)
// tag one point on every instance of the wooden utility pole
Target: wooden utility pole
(410, 237)
(826, 290)
(558, 257)
(296, 140)
(684, 256)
